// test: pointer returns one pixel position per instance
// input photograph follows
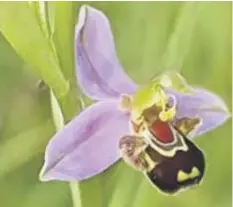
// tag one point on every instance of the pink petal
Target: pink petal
(87, 145)
(99, 72)
(204, 104)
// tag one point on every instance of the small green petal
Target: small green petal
(153, 93)
(174, 81)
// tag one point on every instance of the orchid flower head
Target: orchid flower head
(89, 144)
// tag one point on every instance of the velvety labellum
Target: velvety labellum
(184, 169)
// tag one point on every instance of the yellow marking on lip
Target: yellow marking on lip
(183, 176)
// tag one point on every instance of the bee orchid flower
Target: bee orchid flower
(89, 144)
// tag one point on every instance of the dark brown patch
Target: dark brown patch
(164, 175)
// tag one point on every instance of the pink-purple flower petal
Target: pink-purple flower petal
(203, 104)
(87, 145)
(99, 72)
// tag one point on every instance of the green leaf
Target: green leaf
(26, 36)
(61, 20)
(62, 16)
(57, 114)
(41, 13)
(57, 20)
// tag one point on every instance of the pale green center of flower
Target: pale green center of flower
(154, 96)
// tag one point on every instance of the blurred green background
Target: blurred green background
(142, 31)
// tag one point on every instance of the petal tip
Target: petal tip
(43, 177)
(83, 13)
(228, 115)
(99, 72)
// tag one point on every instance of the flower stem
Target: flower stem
(75, 194)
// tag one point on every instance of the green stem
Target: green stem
(60, 116)
(75, 194)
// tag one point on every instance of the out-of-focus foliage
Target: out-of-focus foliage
(141, 31)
